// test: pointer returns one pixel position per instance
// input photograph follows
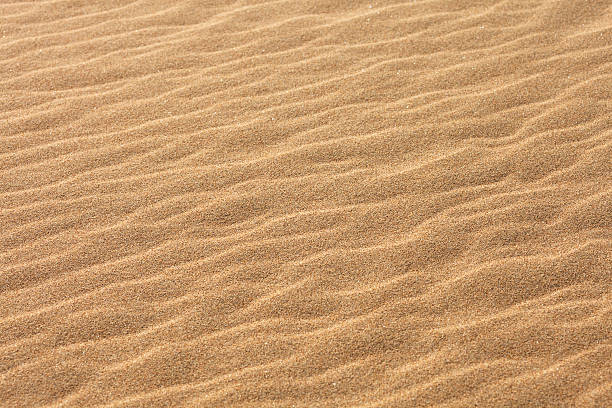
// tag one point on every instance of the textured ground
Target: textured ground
(324, 203)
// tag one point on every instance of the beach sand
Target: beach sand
(323, 203)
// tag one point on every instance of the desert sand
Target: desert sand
(323, 203)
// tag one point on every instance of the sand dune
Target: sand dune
(324, 203)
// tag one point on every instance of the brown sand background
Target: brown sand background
(319, 203)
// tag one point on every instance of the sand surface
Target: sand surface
(323, 203)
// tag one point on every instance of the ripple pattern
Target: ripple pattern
(318, 203)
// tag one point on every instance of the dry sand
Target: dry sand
(324, 203)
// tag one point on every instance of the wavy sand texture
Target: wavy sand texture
(324, 203)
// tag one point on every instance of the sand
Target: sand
(324, 203)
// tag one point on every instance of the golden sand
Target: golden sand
(324, 203)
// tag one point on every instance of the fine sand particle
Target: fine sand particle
(322, 203)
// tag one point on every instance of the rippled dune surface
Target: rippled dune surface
(323, 203)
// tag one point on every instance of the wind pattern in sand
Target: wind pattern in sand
(323, 203)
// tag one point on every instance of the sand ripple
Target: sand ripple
(306, 203)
